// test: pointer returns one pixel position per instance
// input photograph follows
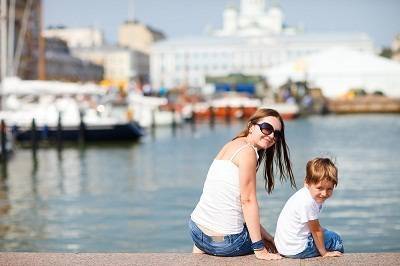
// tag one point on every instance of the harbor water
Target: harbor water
(137, 197)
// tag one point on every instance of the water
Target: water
(137, 197)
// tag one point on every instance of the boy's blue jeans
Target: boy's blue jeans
(332, 241)
(231, 245)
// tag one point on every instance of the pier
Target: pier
(365, 104)
(16, 258)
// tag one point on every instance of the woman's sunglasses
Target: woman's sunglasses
(268, 129)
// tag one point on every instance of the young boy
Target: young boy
(298, 232)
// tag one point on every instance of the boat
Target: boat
(230, 105)
(238, 106)
(90, 133)
(71, 105)
(287, 110)
(152, 111)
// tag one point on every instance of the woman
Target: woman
(226, 221)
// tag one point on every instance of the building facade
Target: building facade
(395, 47)
(76, 37)
(190, 60)
(137, 36)
(252, 40)
(61, 65)
(252, 19)
(120, 64)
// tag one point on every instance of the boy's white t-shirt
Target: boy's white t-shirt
(292, 229)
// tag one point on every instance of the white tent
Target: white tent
(337, 70)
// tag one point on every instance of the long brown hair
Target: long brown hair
(280, 148)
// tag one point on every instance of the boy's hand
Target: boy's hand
(332, 254)
(270, 246)
(265, 255)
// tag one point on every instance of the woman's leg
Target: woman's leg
(196, 250)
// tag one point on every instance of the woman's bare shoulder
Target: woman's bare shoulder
(229, 148)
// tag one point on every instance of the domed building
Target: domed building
(252, 40)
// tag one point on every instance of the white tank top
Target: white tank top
(219, 208)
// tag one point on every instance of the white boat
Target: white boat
(46, 102)
(150, 110)
(287, 110)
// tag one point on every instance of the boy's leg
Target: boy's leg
(332, 241)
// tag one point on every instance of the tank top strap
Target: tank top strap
(241, 148)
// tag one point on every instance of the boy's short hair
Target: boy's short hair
(319, 169)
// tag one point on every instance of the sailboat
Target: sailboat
(72, 106)
(50, 103)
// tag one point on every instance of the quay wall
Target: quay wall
(52, 259)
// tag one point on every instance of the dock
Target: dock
(52, 259)
(365, 104)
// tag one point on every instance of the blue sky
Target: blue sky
(380, 19)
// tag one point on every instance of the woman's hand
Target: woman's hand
(265, 255)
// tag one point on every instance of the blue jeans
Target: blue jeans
(232, 245)
(332, 241)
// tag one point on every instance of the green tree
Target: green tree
(386, 52)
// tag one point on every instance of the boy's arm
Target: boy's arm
(265, 235)
(268, 240)
(318, 234)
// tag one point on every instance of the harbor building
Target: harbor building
(121, 64)
(61, 65)
(138, 36)
(395, 47)
(253, 19)
(76, 37)
(252, 40)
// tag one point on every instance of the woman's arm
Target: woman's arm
(318, 234)
(247, 172)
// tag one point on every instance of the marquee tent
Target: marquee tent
(337, 70)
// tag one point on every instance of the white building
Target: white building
(396, 48)
(120, 64)
(252, 41)
(76, 37)
(190, 60)
(252, 19)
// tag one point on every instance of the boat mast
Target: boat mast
(3, 36)
(3, 47)
(42, 45)
(21, 37)
(11, 34)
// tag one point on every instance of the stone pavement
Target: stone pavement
(53, 259)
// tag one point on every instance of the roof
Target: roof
(207, 40)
